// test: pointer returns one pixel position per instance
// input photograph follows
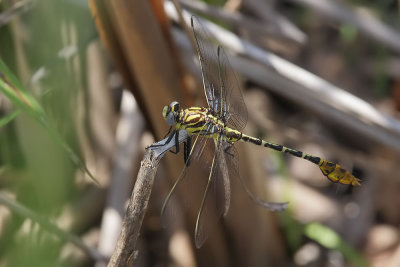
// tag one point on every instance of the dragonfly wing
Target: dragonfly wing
(232, 162)
(216, 196)
(213, 196)
(207, 52)
(199, 156)
(221, 87)
(224, 177)
(234, 108)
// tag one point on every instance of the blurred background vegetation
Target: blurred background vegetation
(82, 90)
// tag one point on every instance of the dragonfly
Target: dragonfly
(212, 132)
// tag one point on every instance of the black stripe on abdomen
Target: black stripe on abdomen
(252, 140)
(293, 152)
(274, 146)
(313, 159)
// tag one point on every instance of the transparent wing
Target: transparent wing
(221, 86)
(200, 157)
(207, 52)
(235, 109)
(232, 162)
(216, 197)
(212, 197)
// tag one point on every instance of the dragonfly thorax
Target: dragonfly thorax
(171, 112)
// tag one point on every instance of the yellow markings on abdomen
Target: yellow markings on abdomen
(337, 174)
(332, 171)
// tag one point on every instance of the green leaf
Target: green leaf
(12, 88)
(331, 240)
(9, 117)
(17, 94)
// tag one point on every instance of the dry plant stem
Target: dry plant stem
(278, 27)
(124, 252)
(368, 24)
(135, 212)
(49, 226)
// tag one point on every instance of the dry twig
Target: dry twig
(125, 250)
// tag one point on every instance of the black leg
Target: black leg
(173, 134)
(187, 147)
(170, 128)
(226, 150)
(176, 134)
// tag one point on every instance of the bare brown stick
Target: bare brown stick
(23, 211)
(135, 213)
(125, 250)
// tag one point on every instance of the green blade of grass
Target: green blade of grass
(11, 87)
(17, 94)
(8, 118)
(331, 240)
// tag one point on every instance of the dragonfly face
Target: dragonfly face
(170, 112)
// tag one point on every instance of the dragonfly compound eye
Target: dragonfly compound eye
(169, 114)
(165, 111)
(174, 106)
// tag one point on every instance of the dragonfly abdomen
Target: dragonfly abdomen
(280, 148)
(331, 170)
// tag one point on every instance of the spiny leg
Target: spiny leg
(174, 134)
(186, 150)
(169, 130)
(227, 150)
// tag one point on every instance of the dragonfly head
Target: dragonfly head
(170, 112)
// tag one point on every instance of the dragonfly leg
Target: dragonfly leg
(187, 146)
(175, 134)
(170, 128)
(227, 150)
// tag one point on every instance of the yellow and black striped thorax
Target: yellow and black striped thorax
(200, 121)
